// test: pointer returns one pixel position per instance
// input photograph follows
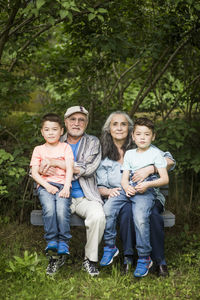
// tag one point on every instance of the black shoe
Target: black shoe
(126, 268)
(52, 266)
(90, 267)
(55, 263)
(162, 271)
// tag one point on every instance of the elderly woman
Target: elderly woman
(115, 140)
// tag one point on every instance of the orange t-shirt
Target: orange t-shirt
(62, 151)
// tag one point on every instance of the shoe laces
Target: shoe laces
(90, 266)
(52, 266)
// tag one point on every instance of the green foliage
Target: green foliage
(26, 278)
(181, 138)
(24, 267)
(11, 171)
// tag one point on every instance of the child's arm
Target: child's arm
(130, 190)
(163, 180)
(37, 177)
(69, 164)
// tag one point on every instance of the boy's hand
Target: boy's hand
(130, 191)
(51, 189)
(142, 187)
(114, 192)
(65, 192)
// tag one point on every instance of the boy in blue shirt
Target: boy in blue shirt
(141, 194)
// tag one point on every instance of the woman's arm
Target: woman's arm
(143, 173)
(109, 192)
(163, 180)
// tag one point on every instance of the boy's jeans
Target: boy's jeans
(56, 214)
(142, 205)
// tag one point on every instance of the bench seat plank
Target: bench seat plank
(36, 219)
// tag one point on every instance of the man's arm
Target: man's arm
(89, 157)
(83, 167)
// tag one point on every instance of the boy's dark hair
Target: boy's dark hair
(144, 122)
(52, 118)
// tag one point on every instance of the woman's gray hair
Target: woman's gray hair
(108, 147)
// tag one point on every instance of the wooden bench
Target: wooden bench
(36, 216)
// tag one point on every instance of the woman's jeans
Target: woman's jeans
(56, 214)
(141, 208)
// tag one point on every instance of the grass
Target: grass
(23, 277)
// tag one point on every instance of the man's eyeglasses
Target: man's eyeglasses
(73, 120)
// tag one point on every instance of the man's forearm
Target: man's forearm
(58, 163)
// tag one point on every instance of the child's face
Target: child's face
(51, 131)
(143, 136)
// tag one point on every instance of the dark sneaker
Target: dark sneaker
(55, 263)
(61, 260)
(143, 266)
(52, 266)
(63, 248)
(90, 267)
(108, 255)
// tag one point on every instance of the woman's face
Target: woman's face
(119, 127)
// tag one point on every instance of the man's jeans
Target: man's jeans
(56, 214)
(142, 205)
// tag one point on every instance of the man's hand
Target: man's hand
(114, 192)
(76, 170)
(141, 174)
(130, 191)
(46, 167)
(142, 187)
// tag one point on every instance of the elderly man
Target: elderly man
(86, 200)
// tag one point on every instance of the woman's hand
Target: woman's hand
(143, 173)
(114, 192)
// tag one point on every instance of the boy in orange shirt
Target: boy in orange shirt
(54, 190)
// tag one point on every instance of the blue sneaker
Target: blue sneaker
(63, 248)
(143, 266)
(108, 255)
(52, 245)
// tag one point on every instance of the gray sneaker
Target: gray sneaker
(90, 267)
(55, 263)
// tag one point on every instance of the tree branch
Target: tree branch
(177, 100)
(11, 19)
(120, 78)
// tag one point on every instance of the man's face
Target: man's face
(76, 124)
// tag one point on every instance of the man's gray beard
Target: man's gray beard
(74, 135)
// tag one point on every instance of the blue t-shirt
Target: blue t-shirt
(76, 191)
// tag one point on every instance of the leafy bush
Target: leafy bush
(23, 267)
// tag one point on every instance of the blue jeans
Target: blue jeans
(141, 208)
(56, 214)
